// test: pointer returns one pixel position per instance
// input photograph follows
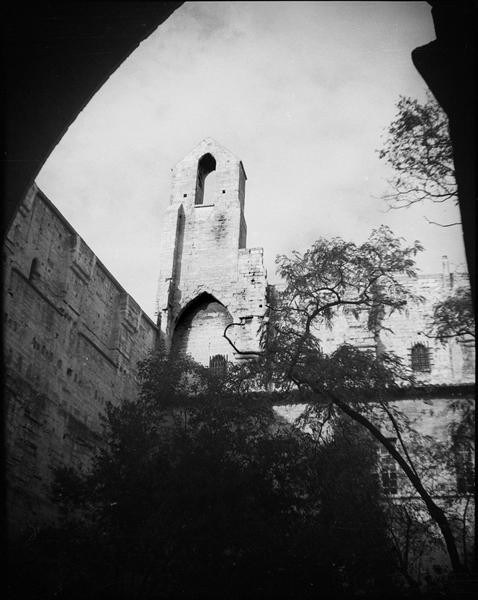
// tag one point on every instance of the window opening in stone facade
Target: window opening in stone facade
(388, 470)
(218, 364)
(210, 185)
(468, 353)
(465, 472)
(206, 165)
(34, 270)
(420, 358)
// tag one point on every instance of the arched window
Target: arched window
(206, 165)
(34, 270)
(218, 364)
(420, 358)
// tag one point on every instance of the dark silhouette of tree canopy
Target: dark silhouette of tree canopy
(202, 492)
(453, 317)
(419, 150)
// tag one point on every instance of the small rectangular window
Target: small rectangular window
(465, 475)
(388, 470)
(468, 353)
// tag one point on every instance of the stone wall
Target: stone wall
(72, 340)
(73, 336)
(451, 362)
(423, 421)
(445, 470)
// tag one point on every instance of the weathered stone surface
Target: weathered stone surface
(203, 257)
(72, 341)
(427, 437)
(451, 363)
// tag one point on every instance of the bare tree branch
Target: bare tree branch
(236, 349)
(442, 224)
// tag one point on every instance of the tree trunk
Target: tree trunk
(434, 510)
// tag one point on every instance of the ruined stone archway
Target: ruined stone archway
(199, 329)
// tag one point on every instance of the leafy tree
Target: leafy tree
(414, 533)
(419, 150)
(347, 469)
(369, 279)
(202, 492)
(453, 317)
(414, 537)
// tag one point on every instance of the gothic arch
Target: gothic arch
(199, 328)
(206, 165)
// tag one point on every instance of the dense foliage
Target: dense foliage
(202, 491)
(220, 499)
(368, 281)
(453, 317)
(334, 277)
(419, 150)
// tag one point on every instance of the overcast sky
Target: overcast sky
(301, 92)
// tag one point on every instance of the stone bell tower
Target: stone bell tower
(208, 278)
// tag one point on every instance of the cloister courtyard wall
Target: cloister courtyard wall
(73, 336)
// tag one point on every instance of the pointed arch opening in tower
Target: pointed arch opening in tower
(34, 270)
(206, 180)
(199, 330)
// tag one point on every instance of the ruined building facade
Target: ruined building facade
(407, 334)
(73, 336)
(208, 278)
